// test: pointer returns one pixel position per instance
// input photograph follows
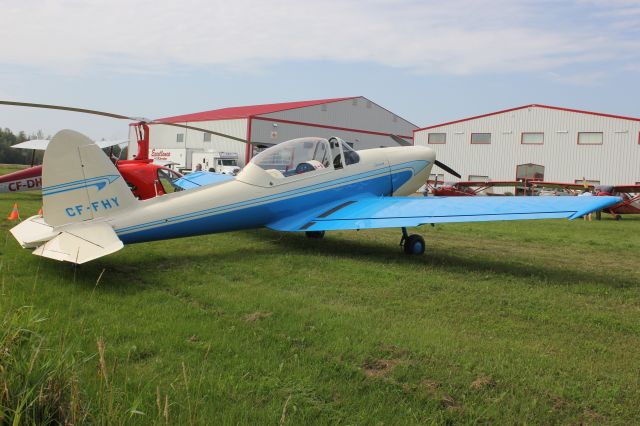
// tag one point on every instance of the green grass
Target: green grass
(516, 322)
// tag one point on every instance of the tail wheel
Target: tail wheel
(414, 244)
(314, 234)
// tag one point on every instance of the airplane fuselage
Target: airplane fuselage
(256, 199)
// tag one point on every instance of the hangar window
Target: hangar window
(532, 138)
(481, 138)
(180, 137)
(589, 138)
(478, 178)
(437, 138)
(587, 181)
(206, 137)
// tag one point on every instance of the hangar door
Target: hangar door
(526, 173)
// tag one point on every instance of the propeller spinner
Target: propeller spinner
(440, 164)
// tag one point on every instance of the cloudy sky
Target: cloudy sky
(428, 61)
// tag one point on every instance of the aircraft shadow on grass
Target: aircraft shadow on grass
(132, 274)
(443, 259)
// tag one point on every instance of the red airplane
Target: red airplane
(630, 195)
(466, 188)
(22, 180)
(630, 199)
(146, 179)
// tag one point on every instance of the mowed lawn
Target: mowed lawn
(509, 322)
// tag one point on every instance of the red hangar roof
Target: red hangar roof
(247, 111)
(528, 106)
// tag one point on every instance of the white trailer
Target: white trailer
(225, 163)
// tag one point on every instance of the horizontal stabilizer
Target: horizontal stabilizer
(198, 179)
(33, 232)
(81, 243)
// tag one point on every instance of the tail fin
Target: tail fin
(79, 182)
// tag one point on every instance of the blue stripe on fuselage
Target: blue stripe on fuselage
(255, 216)
(247, 214)
(273, 197)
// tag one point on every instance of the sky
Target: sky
(427, 61)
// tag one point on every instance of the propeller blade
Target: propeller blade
(65, 108)
(118, 116)
(397, 139)
(447, 169)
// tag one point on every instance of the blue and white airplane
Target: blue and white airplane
(309, 185)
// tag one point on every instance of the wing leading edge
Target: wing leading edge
(394, 212)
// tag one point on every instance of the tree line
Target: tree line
(10, 155)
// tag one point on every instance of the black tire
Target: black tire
(314, 234)
(414, 244)
(617, 217)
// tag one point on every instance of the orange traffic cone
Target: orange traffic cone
(40, 212)
(15, 214)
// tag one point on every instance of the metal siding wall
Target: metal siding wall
(345, 114)
(165, 137)
(616, 161)
(261, 132)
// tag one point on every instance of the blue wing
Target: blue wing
(198, 179)
(394, 212)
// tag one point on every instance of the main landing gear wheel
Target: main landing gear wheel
(412, 244)
(314, 234)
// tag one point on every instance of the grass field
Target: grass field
(516, 322)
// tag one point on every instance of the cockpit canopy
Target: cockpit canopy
(304, 155)
(298, 159)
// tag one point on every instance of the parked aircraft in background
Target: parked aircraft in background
(466, 188)
(629, 194)
(30, 179)
(22, 180)
(146, 179)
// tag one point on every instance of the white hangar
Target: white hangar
(545, 142)
(357, 120)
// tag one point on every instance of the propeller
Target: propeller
(119, 116)
(447, 169)
(443, 166)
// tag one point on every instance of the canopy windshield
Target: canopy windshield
(295, 156)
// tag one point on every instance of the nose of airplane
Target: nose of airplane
(410, 167)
